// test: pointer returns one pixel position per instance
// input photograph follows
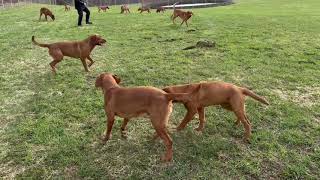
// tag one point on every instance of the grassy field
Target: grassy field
(50, 125)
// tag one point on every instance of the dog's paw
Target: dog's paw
(246, 140)
(124, 135)
(104, 139)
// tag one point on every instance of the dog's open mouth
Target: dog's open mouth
(101, 43)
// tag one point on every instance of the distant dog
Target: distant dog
(75, 49)
(46, 13)
(141, 9)
(184, 15)
(227, 95)
(160, 9)
(66, 7)
(103, 8)
(125, 9)
(136, 101)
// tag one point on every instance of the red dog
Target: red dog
(185, 16)
(66, 7)
(125, 9)
(76, 49)
(227, 95)
(160, 9)
(136, 101)
(141, 9)
(103, 8)
(46, 13)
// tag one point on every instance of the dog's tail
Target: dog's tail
(38, 44)
(181, 97)
(247, 92)
(174, 6)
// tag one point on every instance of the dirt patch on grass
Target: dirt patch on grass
(202, 44)
(9, 171)
(71, 172)
(304, 96)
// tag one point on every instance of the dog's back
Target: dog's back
(211, 93)
(45, 11)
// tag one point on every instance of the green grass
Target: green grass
(50, 124)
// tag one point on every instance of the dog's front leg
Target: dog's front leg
(91, 61)
(182, 22)
(83, 60)
(191, 112)
(107, 133)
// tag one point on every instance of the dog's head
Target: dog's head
(190, 13)
(107, 78)
(139, 9)
(97, 40)
(53, 18)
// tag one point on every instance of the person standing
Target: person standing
(80, 6)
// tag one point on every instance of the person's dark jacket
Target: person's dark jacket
(79, 4)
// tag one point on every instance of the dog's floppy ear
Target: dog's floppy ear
(115, 77)
(99, 81)
(93, 39)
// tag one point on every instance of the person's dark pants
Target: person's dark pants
(80, 13)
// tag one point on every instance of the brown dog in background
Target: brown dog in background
(184, 15)
(75, 49)
(46, 13)
(125, 9)
(141, 9)
(103, 8)
(160, 9)
(66, 7)
(136, 101)
(227, 95)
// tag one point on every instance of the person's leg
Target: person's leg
(86, 10)
(80, 13)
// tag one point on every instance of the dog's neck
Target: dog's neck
(92, 46)
(108, 86)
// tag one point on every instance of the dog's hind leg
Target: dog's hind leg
(160, 127)
(238, 108)
(227, 106)
(202, 119)
(168, 143)
(46, 17)
(124, 128)
(57, 57)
